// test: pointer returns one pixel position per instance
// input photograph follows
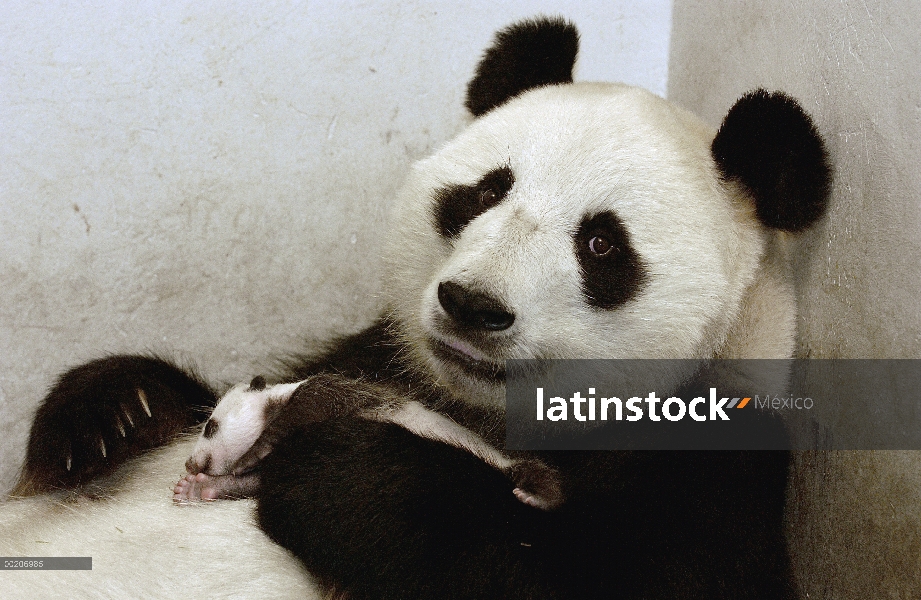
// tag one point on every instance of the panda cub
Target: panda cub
(250, 419)
(568, 220)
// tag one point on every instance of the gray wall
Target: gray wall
(855, 521)
(211, 179)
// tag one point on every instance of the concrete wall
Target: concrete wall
(855, 518)
(211, 180)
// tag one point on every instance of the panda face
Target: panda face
(576, 221)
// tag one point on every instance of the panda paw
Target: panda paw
(202, 487)
(537, 484)
(102, 413)
(195, 487)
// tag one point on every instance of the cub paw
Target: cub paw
(202, 487)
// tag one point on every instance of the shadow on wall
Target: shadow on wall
(854, 517)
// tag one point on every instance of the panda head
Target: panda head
(589, 220)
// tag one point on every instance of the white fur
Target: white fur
(145, 546)
(716, 288)
(576, 149)
(426, 423)
(240, 415)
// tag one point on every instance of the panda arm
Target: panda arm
(375, 511)
(537, 484)
(102, 413)
(318, 398)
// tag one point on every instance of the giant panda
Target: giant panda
(569, 220)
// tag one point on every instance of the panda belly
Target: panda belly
(143, 545)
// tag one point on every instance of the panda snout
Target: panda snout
(471, 309)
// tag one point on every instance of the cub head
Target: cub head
(591, 220)
(233, 427)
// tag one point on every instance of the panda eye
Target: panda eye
(600, 246)
(456, 205)
(488, 197)
(612, 271)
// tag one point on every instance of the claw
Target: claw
(68, 462)
(102, 446)
(143, 398)
(121, 426)
(127, 415)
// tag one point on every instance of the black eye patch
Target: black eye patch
(612, 271)
(211, 428)
(457, 205)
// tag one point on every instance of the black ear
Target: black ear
(525, 55)
(769, 144)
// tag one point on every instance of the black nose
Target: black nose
(473, 310)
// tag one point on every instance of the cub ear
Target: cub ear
(769, 144)
(524, 55)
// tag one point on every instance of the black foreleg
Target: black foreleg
(102, 413)
(377, 512)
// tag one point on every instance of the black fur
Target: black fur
(257, 384)
(376, 513)
(91, 405)
(456, 205)
(613, 278)
(99, 406)
(525, 55)
(373, 354)
(769, 144)
(323, 397)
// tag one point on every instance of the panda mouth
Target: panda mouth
(460, 356)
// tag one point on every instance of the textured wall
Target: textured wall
(211, 180)
(855, 521)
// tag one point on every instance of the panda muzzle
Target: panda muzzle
(473, 310)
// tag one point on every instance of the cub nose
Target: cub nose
(473, 310)
(194, 468)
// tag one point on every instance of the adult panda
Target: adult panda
(570, 220)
